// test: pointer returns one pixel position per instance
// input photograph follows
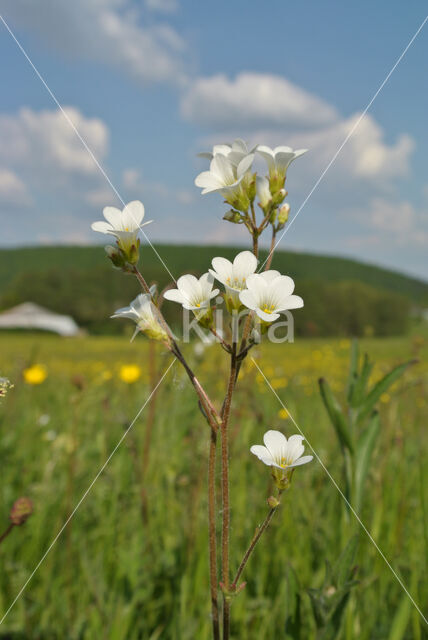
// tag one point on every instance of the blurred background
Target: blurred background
(147, 85)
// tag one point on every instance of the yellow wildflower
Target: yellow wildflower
(283, 413)
(36, 374)
(129, 373)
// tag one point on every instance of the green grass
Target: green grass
(115, 574)
(299, 265)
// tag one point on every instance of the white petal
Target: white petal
(303, 460)
(284, 149)
(247, 299)
(267, 317)
(275, 442)
(133, 214)
(269, 275)
(292, 302)
(244, 264)
(208, 181)
(245, 164)
(222, 269)
(262, 453)
(174, 295)
(206, 282)
(295, 447)
(188, 285)
(114, 216)
(257, 285)
(267, 154)
(102, 227)
(223, 169)
(280, 289)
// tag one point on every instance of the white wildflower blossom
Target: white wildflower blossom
(268, 294)
(193, 293)
(124, 225)
(278, 161)
(144, 313)
(233, 275)
(281, 454)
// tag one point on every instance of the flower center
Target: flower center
(268, 308)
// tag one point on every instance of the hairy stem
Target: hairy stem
(271, 250)
(258, 534)
(6, 533)
(213, 536)
(225, 491)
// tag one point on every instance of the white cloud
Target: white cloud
(41, 140)
(105, 31)
(253, 100)
(13, 191)
(48, 180)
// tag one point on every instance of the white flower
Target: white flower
(192, 293)
(268, 294)
(224, 176)
(123, 225)
(143, 312)
(281, 454)
(233, 275)
(235, 151)
(279, 159)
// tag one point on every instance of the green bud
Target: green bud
(204, 317)
(116, 256)
(233, 216)
(279, 196)
(283, 214)
(134, 253)
(273, 502)
(251, 190)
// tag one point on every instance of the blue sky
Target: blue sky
(148, 84)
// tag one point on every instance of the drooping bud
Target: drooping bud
(21, 510)
(233, 216)
(115, 255)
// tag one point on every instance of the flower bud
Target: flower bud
(283, 214)
(115, 255)
(21, 510)
(279, 196)
(273, 502)
(233, 216)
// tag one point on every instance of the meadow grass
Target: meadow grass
(133, 561)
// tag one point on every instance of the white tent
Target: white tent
(31, 316)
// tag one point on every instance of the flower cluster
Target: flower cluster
(231, 175)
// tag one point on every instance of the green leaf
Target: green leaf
(361, 385)
(363, 454)
(381, 387)
(335, 413)
(342, 571)
(293, 620)
(353, 371)
(401, 619)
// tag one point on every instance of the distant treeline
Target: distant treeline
(90, 296)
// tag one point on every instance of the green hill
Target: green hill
(181, 259)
